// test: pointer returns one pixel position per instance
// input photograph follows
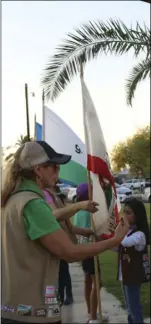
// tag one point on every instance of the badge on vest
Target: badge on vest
(53, 311)
(41, 312)
(50, 291)
(145, 257)
(24, 310)
(7, 309)
(126, 257)
(51, 301)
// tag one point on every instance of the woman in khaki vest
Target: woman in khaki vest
(32, 239)
(56, 200)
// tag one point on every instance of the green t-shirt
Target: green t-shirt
(38, 217)
(82, 219)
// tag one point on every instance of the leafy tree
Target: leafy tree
(119, 156)
(134, 153)
(87, 43)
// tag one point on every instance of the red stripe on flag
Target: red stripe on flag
(100, 167)
(107, 236)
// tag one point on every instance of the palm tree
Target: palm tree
(20, 141)
(23, 139)
(91, 40)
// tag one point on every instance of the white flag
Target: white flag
(104, 191)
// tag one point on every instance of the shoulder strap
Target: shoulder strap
(132, 232)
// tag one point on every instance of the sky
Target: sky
(31, 30)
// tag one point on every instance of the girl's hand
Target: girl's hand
(90, 206)
(121, 230)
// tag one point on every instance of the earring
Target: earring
(39, 177)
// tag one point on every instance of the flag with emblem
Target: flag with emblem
(98, 164)
(63, 139)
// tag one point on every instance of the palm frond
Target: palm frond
(85, 44)
(23, 139)
(138, 73)
(9, 157)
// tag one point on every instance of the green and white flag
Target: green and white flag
(62, 138)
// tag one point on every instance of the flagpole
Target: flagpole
(97, 275)
(27, 111)
(35, 127)
(43, 115)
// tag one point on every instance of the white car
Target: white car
(134, 184)
(63, 188)
(72, 194)
(122, 192)
(147, 195)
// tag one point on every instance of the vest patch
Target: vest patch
(41, 312)
(50, 291)
(24, 310)
(51, 301)
(7, 309)
(145, 257)
(53, 311)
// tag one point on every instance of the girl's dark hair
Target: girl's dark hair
(139, 211)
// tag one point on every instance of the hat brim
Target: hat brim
(60, 159)
(53, 156)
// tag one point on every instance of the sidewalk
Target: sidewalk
(77, 313)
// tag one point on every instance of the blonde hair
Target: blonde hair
(12, 175)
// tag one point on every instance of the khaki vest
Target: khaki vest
(66, 225)
(29, 271)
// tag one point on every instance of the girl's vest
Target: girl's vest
(134, 265)
(29, 271)
(55, 204)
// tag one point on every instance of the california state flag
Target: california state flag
(104, 191)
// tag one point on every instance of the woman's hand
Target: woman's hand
(89, 205)
(88, 232)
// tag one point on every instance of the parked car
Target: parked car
(134, 184)
(63, 188)
(147, 183)
(72, 195)
(147, 194)
(123, 192)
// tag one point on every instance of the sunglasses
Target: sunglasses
(55, 167)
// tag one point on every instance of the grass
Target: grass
(109, 274)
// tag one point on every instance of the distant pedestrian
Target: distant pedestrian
(83, 219)
(65, 284)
